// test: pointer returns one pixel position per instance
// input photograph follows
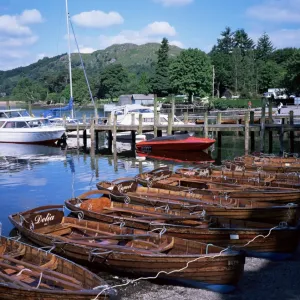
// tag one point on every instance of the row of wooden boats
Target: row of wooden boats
(194, 226)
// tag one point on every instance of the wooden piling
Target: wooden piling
(292, 135)
(170, 122)
(140, 130)
(92, 133)
(78, 136)
(270, 121)
(114, 134)
(219, 118)
(205, 125)
(185, 117)
(173, 109)
(84, 137)
(247, 133)
(270, 112)
(252, 133)
(7, 104)
(281, 134)
(108, 119)
(84, 119)
(155, 115)
(133, 119)
(110, 138)
(262, 126)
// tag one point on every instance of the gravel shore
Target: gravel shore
(262, 280)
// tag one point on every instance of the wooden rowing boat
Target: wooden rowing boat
(165, 179)
(30, 273)
(287, 180)
(280, 244)
(123, 249)
(128, 191)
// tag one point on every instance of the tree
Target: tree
(264, 47)
(225, 43)
(161, 82)
(292, 77)
(144, 86)
(191, 73)
(270, 75)
(80, 88)
(242, 41)
(113, 82)
(29, 90)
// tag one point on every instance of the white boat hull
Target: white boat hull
(37, 135)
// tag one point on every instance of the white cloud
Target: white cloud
(285, 38)
(83, 49)
(174, 2)
(97, 19)
(287, 11)
(10, 25)
(30, 17)
(15, 36)
(152, 33)
(176, 43)
(159, 28)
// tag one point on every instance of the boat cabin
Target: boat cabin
(23, 123)
(13, 113)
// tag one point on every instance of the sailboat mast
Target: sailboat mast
(69, 57)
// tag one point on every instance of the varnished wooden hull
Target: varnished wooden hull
(280, 244)
(221, 207)
(33, 258)
(220, 272)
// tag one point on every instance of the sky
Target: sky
(33, 29)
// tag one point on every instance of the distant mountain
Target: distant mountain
(136, 58)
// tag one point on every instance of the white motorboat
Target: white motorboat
(16, 126)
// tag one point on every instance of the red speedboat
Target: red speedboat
(182, 142)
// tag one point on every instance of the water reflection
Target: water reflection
(195, 157)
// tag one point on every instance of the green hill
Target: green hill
(135, 58)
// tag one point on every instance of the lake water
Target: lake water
(32, 175)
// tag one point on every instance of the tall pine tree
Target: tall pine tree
(161, 82)
(264, 47)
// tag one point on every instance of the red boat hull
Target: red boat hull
(188, 144)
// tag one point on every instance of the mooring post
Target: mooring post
(170, 121)
(173, 108)
(247, 133)
(155, 115)
(185, 117)
(7, 104)
(262, 126)
(84, 137)
(219, 118)
(270, 112)
(292, 135)
(108, 119)
(96, 113)
(281, 134)
(270, 121)
(205, 125)
(115, 133)
(78, 136)
(140, 129)
(84, 119)
(92, 133)
(110, 138)
(252, 133)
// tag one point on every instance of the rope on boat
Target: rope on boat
(80, 213)
(185, 267)
(40, 278)
(163, 230)
(161, 272)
